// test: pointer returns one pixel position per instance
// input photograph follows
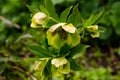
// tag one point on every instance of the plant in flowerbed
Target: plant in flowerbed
(60, 39)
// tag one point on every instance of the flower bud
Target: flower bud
(38, 19)
(93, 30)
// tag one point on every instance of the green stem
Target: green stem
(53, 19)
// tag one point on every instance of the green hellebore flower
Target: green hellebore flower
(38, 19)
(60, 66)
(57, 40)
(93, 31)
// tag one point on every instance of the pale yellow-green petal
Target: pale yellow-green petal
(92, 28)
(64, 69)
(95, 34)
(73, 39)
(54, 27)
(69, 28)
(55, 72)
(34, 25)
(59, 61)
(55, 40)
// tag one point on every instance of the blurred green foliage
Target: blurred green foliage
(101, 61)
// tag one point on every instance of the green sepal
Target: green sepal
(64, 69)
(73, 39)
(55, 40)
(95, 34)
(55, 72)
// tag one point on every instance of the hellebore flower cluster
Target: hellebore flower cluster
(57, 35)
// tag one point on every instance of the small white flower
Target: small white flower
(57, 62)
(67, 27)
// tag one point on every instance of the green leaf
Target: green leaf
(39, 51)
(44, 42)
(50, 8)
(94, 19)
(2, 67)
(3, 59)
(64, 50)
(106, 34)
(98, 17)
(77, 50)
(64, 14)
(44, 10)
(89, 20)
(74, 65)
(33, 9)
(21, 75)
(47, 69)
(74, 18)
(101, 29)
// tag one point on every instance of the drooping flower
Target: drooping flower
(38, 19)
(60, 66)
(66, 34)
(93, 30)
